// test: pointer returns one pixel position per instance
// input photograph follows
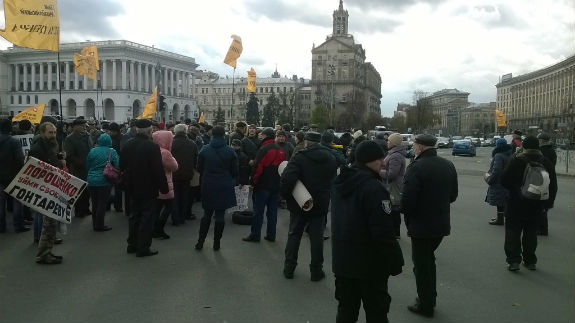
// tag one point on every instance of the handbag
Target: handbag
(111, 173)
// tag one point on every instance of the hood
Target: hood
(317, 153)
(217, 142)
(164, 139)
(401, 149)
(105, 140)
(501, 149)
(350, 178)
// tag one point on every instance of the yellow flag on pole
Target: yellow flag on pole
(500, 118)
(202, 118)
(87, 63)
(32, 24)
(234, 52)
(150, 108)
(33, 114)
(251, 86)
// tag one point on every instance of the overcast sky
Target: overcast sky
(415, 45)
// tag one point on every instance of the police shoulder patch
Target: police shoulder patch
(386, 205)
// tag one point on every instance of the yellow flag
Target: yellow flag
(33, 114)
(150, 108)
(251, 86)
(32, 24)
(234, 52)
(500, 118)
(87, 63)
(202, 118)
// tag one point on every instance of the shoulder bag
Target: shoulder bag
(111, 173)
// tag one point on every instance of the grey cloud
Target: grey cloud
(500, 16)
(86, 19)
(279, 11)
(253, 61)
(391, 5)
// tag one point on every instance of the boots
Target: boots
(204, 228)
(218, 231)
(498, 220)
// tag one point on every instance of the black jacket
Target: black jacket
(429, 187)
(549, 152)
(512, 179)
(41, 150)
(77, 147)
(244, 168)
(185, 152)
(363, 240)
(316, 167)
(11, 159)
(142, 171)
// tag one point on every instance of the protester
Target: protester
(117, 137)
(281, 141)
(98, 185)
(266, 183)
(243, 162)
(144, 177)
(430, 186)
(523, 215)
(77, 146)
(392, 173)
(364, 250)
(316, 167)
(218, 165)
(327, 140)
(185, 152)
(12, 160)
(300, 143)
(45, 148)
(548, 150)
(516, 141)
(164, 203)
(381, 138)
(497, 195)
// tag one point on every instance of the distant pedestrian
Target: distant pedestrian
(497, 195)
(185, 151)
(243, 163)
(548, 150)
(164, 206)
(516, 141)
(77, 146)
(429, 187)
(392, 172)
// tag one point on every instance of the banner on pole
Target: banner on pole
(33, 114)
(251, 86)
(234, 52)
(25, 142)
(46, 189)
(150, 108)
(500, 118)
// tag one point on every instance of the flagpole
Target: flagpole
(61, 123)
(232, 108)
(97, 115)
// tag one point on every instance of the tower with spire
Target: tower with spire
(340, 21)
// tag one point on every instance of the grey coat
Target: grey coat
(395, 166)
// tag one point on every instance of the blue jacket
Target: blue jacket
(97, 160)
(218, 164)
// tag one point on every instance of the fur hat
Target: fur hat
(426, 140)
(357, 134)
(312, 136)
(368, 151)
(395, 139)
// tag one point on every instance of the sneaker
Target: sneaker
(530, 266)
(251, 238)
(513, 266)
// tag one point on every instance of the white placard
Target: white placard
(46, 189)
(26, 142)
(242, 199)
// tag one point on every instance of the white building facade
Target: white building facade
(128, 74)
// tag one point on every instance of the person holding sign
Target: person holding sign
(46, 149)
(316, 167)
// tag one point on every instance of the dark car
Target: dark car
(463, 147)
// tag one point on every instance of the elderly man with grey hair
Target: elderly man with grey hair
(185, 152)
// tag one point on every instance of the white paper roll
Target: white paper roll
(300, 192)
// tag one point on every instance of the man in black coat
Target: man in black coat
(116, 135)
(429, 187)
(77, 146)
(316, 167)
(364, 249)
(548, 151)
(522, 215)
(185, 152)
(144, 179)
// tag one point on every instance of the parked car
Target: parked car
(444, 142)
(476, 141)
(489, 142)
(463, 147)
(408, 139)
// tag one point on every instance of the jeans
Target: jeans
(263, 199)
(17, 215)
(423, 256)
(99, 196)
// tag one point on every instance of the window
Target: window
(27, 99)
(35, 99)
(11, 99)
(80, 85)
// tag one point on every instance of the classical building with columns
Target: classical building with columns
(128, 74)
(213, 92)
(542, 99)
(447, 105)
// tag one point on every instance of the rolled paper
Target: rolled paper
(300, 192)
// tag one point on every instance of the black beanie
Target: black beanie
(530, 142)
(368, 151)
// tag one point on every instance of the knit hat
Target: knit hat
(24, 125)
(395, 139)
(500, 142)
(312, 136)
(327, 137)
(368, 151)
(530, 142)
(357, 134)
(268, 132)
(236, 142)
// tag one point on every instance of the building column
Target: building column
(33, 77)
(153, 80)
(95, 83)
(76, 80)
(114, 74)
(139, 88)
(50, 65)
(132, 76)
(166, 80)
(66, 76)
(172, 82)
(25, 76)
(104, 74)
(41, 83)
(17, 77)
(85, 82)
(124, 74)
(146, 79)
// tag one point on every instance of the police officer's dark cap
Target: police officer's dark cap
(312, 136)
(78, 121)
(143, 123)
(426, 140)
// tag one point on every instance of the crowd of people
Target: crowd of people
(365, 184)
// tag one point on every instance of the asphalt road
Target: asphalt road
(243, 282)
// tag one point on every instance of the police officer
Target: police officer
(364, 249)
(429, 187)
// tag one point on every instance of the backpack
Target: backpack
(536, 181)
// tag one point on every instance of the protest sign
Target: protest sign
(300, 193)
(242, 199)
(46, 189)
(26, 142)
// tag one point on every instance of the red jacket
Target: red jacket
(268, 158)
